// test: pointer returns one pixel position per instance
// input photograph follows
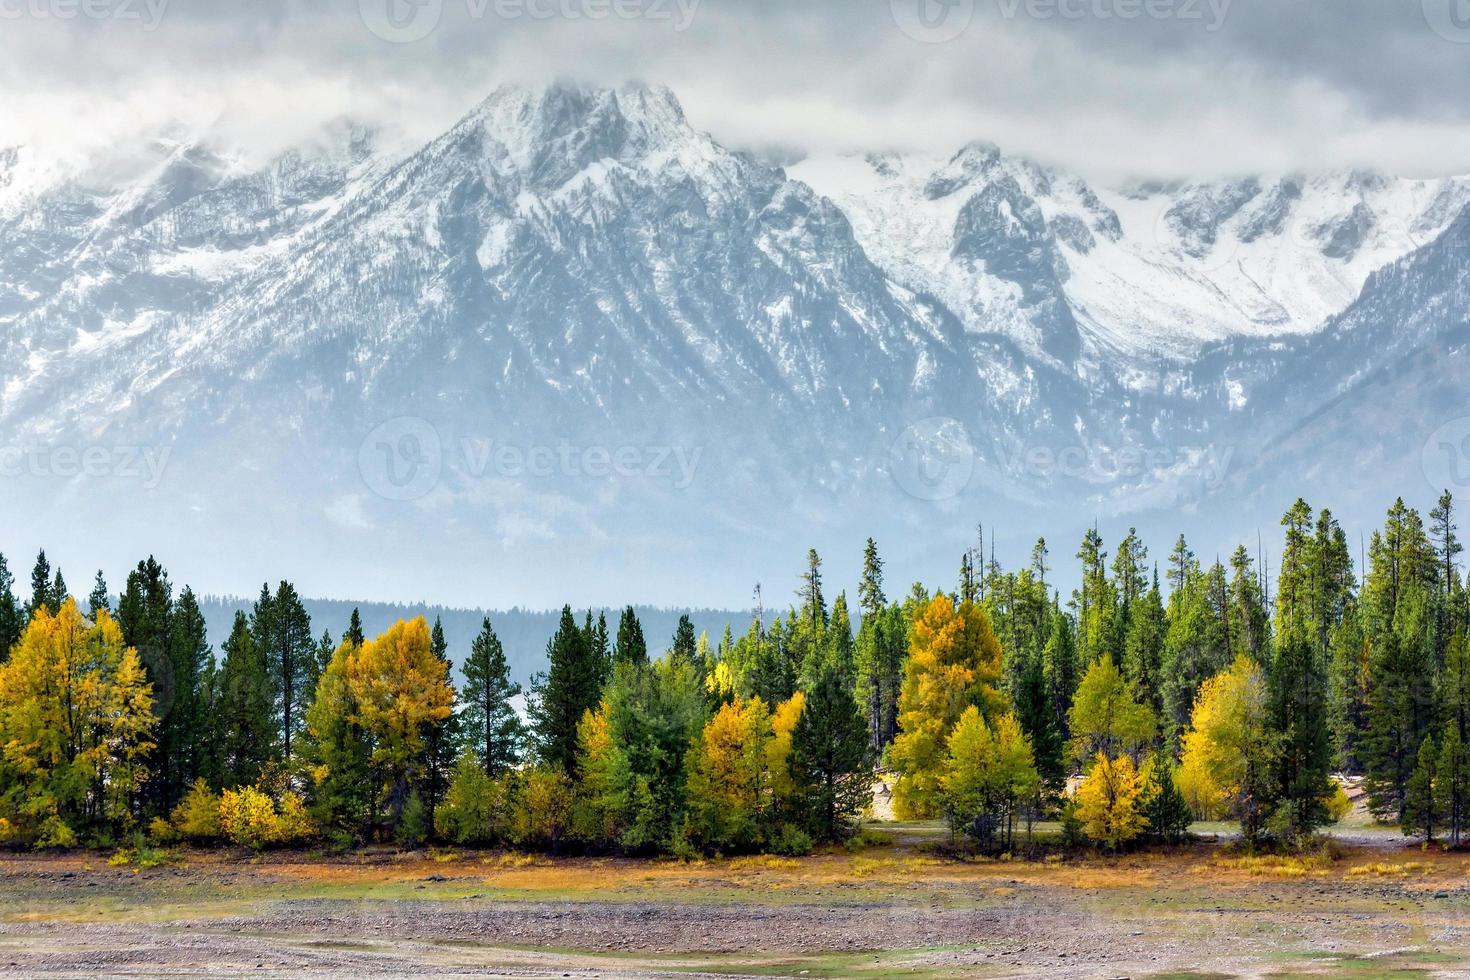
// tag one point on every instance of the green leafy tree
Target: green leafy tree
(1106, 716)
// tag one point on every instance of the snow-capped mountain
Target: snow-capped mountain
(869, 342)
(1132, 274)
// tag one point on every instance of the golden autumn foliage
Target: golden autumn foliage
(249, 817)
(595, 813)
(989, 771)
(954, 663)
(778, 749)
(76, 721)
(1224, 737)
(399, 689)
(197, 817)
(729, 786)
(1110, 801)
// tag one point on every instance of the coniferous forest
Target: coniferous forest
(1162, 690)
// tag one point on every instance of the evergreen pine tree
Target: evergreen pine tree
(325, 647)
(489, 722)
(354, 633)
(439, 740)
(841, 654)
(1299, 715)
(1420, 813)
(182, 728)
(99, 599)
(685, 642)
(830, 761)
(41, 585)
(630, 648)
(290, 651)
(1452, 784)
(571, 686)
(1397, 717)
(1143, 649)
(244, 713)
(1166, 810)
(12, 620)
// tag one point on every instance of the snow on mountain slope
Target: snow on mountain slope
(580, 267)
(1127, 276)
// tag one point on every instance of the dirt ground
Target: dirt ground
(1380, 909)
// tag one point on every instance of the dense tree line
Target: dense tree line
(1155, 693)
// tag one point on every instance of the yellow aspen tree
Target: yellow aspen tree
(76, 713)
(778, 751)
(400, 692)
(729, 778)
(954, 663)
(1110, 801)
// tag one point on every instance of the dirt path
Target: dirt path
(1174, 915)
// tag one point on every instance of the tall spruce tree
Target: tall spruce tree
(12, 619)
(41, 586)
(354, 634)
(439, 739)
(1298, 687)
(685, 642)
(283, 630)
(99, 599)
(186, 721)
(830, 762)
(244, 709)
(571, 686)
(489, 723)
(630, 647)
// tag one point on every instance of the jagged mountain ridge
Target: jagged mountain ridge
(581, 265)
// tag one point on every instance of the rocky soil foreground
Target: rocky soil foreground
(1371, 913)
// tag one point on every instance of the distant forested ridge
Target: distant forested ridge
(523, 632)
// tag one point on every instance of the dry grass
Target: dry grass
(764, 862)
(1381, 869)
(1276, 865)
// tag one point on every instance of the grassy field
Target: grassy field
(1372, 906)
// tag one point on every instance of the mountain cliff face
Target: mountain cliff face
(883, 341)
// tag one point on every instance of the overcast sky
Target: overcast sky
(1108, 87)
